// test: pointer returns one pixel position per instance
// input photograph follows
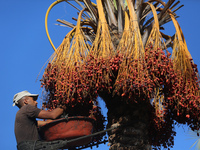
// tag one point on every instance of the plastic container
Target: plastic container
(66, 129)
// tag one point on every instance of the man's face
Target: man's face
(31, 101)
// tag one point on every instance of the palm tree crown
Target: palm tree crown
(118, 50)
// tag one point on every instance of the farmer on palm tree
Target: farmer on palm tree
(26, 131)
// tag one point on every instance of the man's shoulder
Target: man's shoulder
(29, 108)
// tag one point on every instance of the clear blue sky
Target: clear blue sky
(25, 49)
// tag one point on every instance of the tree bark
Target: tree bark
(133, 120)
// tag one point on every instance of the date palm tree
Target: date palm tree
(119, 51)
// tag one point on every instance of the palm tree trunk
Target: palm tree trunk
(134, 123)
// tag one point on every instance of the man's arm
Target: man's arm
(50, 114)
(41, 123)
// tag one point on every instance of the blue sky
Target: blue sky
(25, 49)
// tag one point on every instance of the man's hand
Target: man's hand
(62, 107)
(50, 114)
(41, 123)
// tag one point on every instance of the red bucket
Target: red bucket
(66, 129)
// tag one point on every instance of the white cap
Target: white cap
(19, 95)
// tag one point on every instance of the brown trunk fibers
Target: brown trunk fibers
(133, 120)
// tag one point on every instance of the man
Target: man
(26, 132)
